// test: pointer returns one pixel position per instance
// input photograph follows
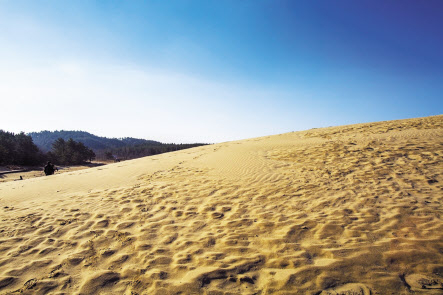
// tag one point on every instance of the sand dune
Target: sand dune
(342, 210)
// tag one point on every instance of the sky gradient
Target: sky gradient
(213, 71)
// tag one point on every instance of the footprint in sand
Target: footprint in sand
(348, 289)
(421, 282)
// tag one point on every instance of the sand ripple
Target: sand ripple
(342, 210)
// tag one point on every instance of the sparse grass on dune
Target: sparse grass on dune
(342, 210)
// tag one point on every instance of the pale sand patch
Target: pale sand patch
(33, 172)
(342, 210)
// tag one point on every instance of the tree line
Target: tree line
(142, 150)
(19, 149)
(70, 152)
(45, 139)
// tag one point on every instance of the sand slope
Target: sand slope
(341, 210)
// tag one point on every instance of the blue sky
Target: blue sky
(212, 71)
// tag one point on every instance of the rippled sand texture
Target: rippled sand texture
(341, 210)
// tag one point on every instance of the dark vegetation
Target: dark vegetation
(109, 148)
(143, 150)
(70, 152)
(18, 149)
(75, 147)
(45, 139)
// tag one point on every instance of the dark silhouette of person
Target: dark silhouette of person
(49, 169)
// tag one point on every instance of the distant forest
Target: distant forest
(19, 149)
(109, 148)
(45, 139)
(69, 152)
(75, 147)
(143, 150)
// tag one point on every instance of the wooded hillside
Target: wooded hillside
(108, 148)
(45, 139)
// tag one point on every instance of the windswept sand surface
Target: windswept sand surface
(341, 210)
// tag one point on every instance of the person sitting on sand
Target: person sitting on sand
(49, 169)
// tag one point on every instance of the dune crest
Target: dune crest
(342, 210)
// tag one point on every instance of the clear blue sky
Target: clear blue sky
(212, 71)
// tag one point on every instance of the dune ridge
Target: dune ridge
(341, 210)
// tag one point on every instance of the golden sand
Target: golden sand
(38, 172)
(342, 210)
